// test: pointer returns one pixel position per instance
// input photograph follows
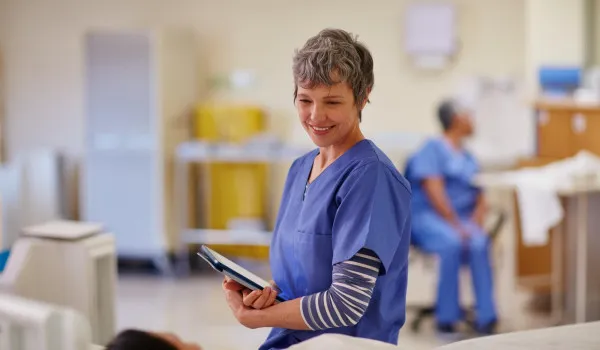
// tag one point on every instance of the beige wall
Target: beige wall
(3, 34)
(597, 35)
(44, 56)
(555, 35)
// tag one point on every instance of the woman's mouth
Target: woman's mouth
(321, 130)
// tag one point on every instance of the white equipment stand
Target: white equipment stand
(32, 325)
(67, 264)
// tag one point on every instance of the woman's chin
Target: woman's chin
(320, 141)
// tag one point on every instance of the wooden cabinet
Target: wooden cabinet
(586, 131)
(553, 135)
(565, 128)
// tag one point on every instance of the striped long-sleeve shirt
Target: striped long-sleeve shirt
(346, 301)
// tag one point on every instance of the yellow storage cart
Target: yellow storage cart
(236, 190)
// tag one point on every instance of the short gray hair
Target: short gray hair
(334, 56)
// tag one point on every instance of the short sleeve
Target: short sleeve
(425, 163)
(373, 213)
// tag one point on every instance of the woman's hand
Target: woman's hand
(481, 210)
(258, 299)
(233, 295)
(231, 285)
(282, 315)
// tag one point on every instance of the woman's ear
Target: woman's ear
(364, 103)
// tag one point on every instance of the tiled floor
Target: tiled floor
(194, 309)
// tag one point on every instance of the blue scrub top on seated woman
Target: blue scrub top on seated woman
(359, 201)
(457, 168)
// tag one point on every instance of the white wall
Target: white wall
(44, 54)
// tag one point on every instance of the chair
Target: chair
(494, 223)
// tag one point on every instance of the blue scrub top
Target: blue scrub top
(360, 200)
(457, 168)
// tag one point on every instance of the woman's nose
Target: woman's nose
(318, 113)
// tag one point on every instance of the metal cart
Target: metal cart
(205, 152)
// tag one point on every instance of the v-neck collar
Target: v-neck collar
(460, 150)
(336, 163)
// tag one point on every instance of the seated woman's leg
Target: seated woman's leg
(434, 235)
(481, 271)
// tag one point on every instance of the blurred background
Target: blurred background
(161, 125)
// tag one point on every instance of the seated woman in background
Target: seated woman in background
(132, 339)
(448, 213)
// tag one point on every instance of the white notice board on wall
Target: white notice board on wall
(504, 130)
(430, 33)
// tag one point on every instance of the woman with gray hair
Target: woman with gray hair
(339, 253)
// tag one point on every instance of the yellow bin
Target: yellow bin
(228, 123)
(237, 190)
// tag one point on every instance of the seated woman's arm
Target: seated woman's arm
(480, 211)
(436, 192)
(342, 305)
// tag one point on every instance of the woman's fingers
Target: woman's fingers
(250, 298)
(259, 299)
(271, 300)
(262, 300)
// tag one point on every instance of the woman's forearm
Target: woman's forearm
(283, 315)
(480, 209)
(342, 305)
(439, 200)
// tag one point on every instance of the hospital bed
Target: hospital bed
(576, 337)
(581, 336)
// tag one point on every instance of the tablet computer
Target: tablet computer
(234, 271)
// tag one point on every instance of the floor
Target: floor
(194, 309)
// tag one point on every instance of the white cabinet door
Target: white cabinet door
(120, 175)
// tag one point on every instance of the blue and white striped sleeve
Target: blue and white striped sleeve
(346, 301)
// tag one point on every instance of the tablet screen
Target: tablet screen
(237, 268)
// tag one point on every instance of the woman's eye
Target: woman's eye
(333, 103)
(305, 101)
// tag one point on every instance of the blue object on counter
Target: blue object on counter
(4, 259)
(559, 81)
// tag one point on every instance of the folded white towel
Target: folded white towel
(540, 210)
(538, 190)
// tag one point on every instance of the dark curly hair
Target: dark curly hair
(133, 339)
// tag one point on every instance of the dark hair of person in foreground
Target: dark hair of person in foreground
(133, 339)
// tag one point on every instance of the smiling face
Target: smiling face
(329, 114)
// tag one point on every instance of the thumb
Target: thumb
(233, 285)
